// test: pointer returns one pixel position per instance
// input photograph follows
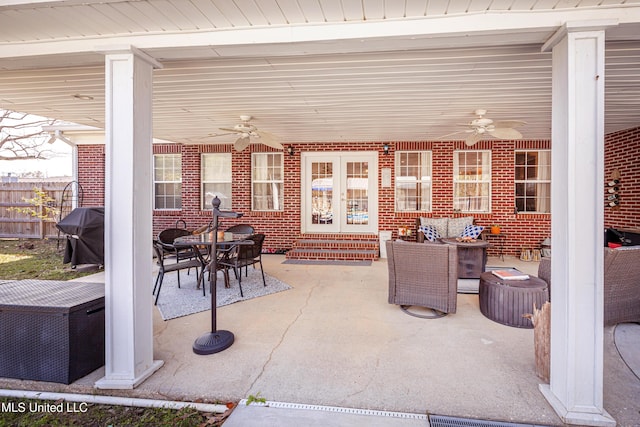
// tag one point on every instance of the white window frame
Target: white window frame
(226, 202)
(158, 181)
(426, 156)
(483, 179)
(537, 181)
(279, 201)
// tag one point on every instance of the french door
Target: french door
(340, 192)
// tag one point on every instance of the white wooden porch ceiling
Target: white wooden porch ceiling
(387, 88)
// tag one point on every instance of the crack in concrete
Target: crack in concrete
(367, 384)
(279, 343)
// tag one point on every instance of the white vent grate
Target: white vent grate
(354, 411)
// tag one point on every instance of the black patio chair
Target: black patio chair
(160, 252)
(166, 238)
(245, 229)
(244, 256)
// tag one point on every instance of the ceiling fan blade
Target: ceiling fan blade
(509, 123)
(472, 139)
(229, 130)
(269, 139)
(211, 135)
(505, 133)
(241, 143)
(453, 133)
(272, 144)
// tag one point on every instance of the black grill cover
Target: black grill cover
(85, 236)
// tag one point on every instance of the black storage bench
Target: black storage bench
(51, 330)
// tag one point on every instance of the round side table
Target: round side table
(505, 301)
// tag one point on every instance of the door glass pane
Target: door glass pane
(357, 193)
(322, 192)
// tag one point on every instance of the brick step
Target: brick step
(332, 254)
(335, 247)
(324, 236)
(336, 244)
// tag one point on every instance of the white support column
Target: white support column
(577, 224)
(128, 225)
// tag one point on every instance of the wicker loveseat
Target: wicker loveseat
(621, 283)
(424, 275)
(446, 226)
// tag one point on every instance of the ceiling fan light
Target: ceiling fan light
(482, 122)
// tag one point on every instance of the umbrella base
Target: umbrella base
(213, 342)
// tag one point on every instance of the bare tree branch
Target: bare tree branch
(22, 137)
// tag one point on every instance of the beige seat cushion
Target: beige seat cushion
(440, 224)
(456, 225)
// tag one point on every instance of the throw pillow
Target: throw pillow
(440, 224)
(457, 225)
(472, 231)
(430, 233)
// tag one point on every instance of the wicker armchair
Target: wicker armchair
(544, 272)
(621, 283)
(423, 274)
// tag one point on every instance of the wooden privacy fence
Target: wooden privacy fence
(14, 224)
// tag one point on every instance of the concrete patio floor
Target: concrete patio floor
(334, 340)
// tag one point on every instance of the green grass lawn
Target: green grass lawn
(41, 259)
(36, 259)
(28, 413)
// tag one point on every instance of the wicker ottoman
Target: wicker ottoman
(505, 301)
(51, 330)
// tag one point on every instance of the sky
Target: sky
(59, 165)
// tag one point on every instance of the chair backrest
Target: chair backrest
(544, 272)
(241, 229)
(168, 235)
(251, 251)
(423, 274)
(621, 283)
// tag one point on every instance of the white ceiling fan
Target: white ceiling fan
(246, 131)
(481, 127)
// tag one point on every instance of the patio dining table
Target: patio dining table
(224, 248)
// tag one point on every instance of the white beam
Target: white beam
(577, 222)
(433, 32)
(128, 230)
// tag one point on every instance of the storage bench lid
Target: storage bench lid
(48, 295)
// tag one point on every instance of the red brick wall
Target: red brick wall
(91, 163)
(283, 228)
(521, 230)
(622, 153)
